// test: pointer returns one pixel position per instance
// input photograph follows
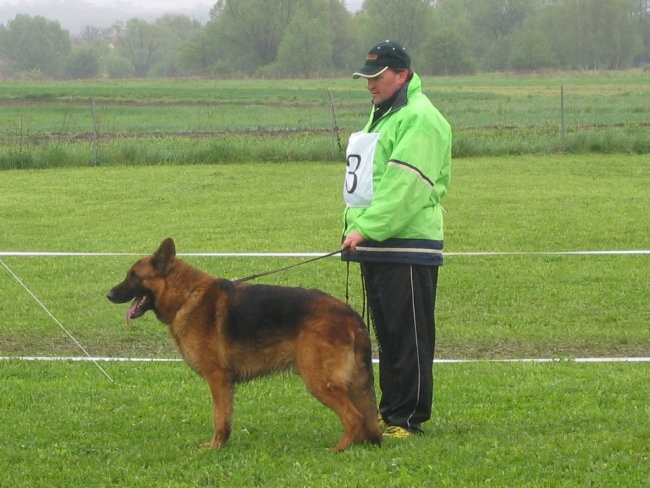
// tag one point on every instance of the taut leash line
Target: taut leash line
(258, 275)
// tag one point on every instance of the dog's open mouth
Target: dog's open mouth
(139, 306)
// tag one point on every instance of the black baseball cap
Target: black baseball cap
(386, 54)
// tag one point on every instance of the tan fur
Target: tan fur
(323, 340)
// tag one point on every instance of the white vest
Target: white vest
(359, 159)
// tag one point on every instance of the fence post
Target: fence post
(95, 133)
(562, 118)
(336, 139)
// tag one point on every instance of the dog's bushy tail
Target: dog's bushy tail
(363, 389)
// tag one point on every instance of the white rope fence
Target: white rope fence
(375, 361)
(622, 252)
(97, 360)
(56, 321)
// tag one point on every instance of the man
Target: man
(398, 169)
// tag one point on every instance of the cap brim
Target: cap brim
(369, 72)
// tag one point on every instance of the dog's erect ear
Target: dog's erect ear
(164, 256)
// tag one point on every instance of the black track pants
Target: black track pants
(402, 301)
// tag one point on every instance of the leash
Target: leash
(278, 270)
(365, 307)
(365, 315)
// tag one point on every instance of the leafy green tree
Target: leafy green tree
(197, 55)
(446, 53)
(306, 47)
(406, 21)
(119, 67)
(314, 37)
(617, 33)
(92, 34)
(531, 50)
(452, 14)
(92, 40)
(492, 22)
(249, 32)
(34, 44)
(644, 29)
(346, 42)
(176, 30)
(141, 43)
(83, 63)
(593, 34)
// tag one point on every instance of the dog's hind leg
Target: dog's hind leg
(221, 389)
(329, 381)
(336, 397)
(363, 397)
(362, 390)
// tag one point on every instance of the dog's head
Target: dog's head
(144, 281)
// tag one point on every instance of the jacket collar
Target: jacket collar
(399, 100)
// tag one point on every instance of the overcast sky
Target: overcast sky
(161, 5)
(73, 15)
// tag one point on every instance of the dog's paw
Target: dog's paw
(213, 444)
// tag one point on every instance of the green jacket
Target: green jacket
(394, 199)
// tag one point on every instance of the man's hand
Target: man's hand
(352, 240)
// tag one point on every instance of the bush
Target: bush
(118, 67)
(83, 64)
(531, 51)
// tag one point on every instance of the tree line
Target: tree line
(317, 38)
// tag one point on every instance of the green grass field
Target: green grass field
(191, 121)
(500, 424)
(519, 425)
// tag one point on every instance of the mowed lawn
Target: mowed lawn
(502, 424)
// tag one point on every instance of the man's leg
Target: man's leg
(402, 302)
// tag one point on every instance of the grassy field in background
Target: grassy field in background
(53, 124)
(503, 424)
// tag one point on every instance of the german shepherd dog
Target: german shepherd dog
(230, 332)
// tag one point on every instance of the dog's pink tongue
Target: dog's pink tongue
(127, 317)
(131, 311)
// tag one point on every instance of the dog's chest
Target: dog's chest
(193, 347)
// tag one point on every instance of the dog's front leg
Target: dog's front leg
(221, 388)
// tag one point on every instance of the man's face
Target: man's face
(385, 85)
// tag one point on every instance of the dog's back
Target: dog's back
(230, 332)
